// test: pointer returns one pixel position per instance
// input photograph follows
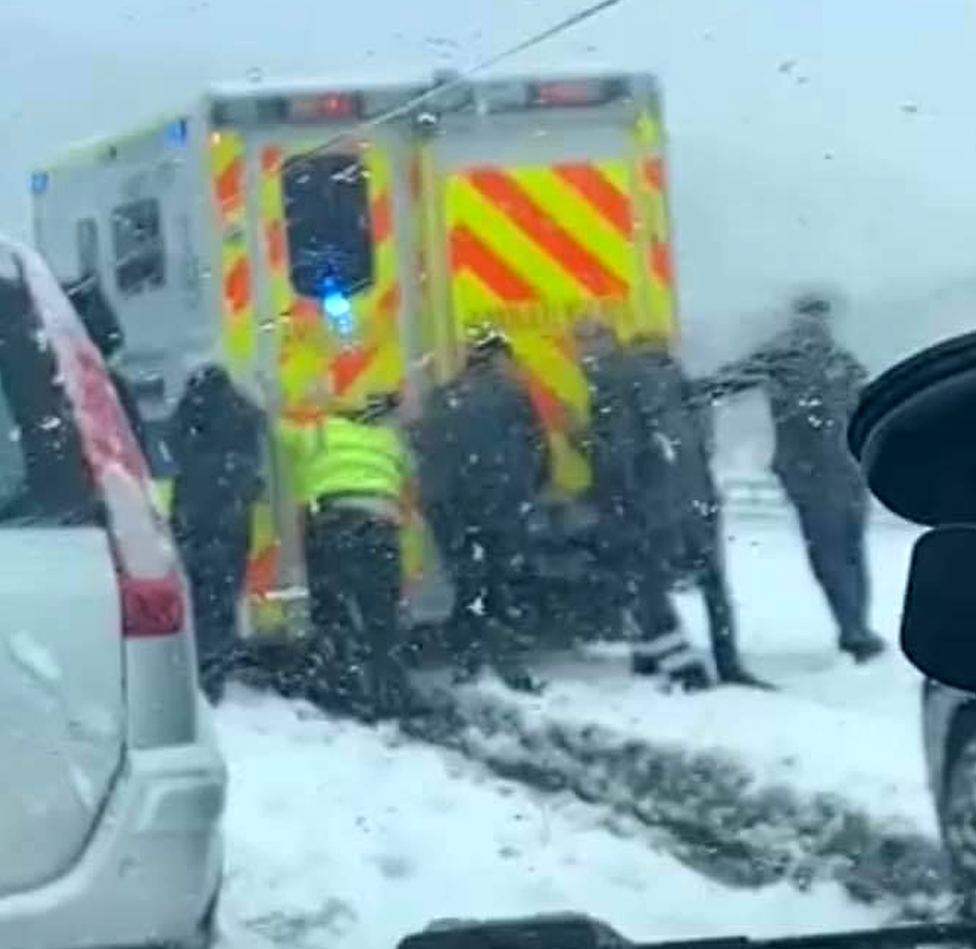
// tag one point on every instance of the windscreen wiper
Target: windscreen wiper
(573, 931)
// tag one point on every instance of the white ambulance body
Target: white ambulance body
(305, 232)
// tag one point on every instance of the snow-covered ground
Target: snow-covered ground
(835, 727)
(344, 836)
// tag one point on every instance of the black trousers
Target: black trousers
(486, 563)
(641, 562)
(660, 643)
(353, 564)
(704, 561)
(833, 524)
(215, 558)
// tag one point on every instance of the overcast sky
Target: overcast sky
(811, 140)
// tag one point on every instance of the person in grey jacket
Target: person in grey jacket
(215, 436)
(812, 384)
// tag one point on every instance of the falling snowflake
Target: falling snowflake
(477, 606)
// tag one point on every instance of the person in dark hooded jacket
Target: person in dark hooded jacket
(812, 384)
(102, 325)
(680, 501)
(215, 442)
(631, 493)
(483, 460)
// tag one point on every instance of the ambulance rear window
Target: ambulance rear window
(137, 237)
(328, 222)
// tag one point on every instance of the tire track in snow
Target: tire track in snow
(712, 812)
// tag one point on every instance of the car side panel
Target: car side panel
(62, 716)
(152, 867)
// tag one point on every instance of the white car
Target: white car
(114, 788)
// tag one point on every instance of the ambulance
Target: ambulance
(351, 234)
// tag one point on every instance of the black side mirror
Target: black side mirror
(914, 434)
(938, 627)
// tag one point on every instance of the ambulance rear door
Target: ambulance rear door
(335, 215)
(551, 196)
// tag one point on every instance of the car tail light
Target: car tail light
(151, 607)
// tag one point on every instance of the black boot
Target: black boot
(642, 664)
(515, 675)
(863, 645)
(670, 655)
(731, 671)
(467, 666)
(506, 653)
(335, 688)
(690, 676)
(740, 676)
(396, 696)
(213, 688)
(213, 678)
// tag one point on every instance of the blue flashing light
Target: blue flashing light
(39, 182)
(337, 308)
(177, 132)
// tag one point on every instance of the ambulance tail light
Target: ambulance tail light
(330, 106)
(571, 93)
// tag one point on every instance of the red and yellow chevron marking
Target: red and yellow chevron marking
(532, 249)
(227, 166)
(652, 202)
(227, 169)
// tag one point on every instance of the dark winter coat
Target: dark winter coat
(679, 498)
(215, 442)
(481, 454)
(648, 447)
(612, 442)
(812, 384)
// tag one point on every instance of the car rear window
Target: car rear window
(43, 476)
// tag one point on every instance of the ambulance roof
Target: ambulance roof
(243, 89)
(83, 150)
(358, 82)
